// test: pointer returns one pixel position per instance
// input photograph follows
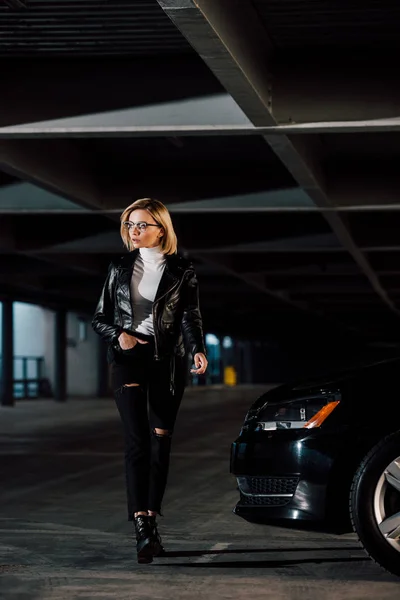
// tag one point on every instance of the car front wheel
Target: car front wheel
(375, 503)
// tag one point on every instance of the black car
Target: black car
(327, 451)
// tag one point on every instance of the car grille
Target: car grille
(271, 485)
(267, 491)
(264, 500)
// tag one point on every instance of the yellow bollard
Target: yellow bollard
(230, 376)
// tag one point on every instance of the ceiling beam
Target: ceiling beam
(348, 86)
(229, 36)
(40, 89)
(16, 4)
(18, 292)
(313, 127)
(56, 166)
(245, 209)
(369, 182)
(82, 263)
(40, 233)
(16, 265)
(92, 232)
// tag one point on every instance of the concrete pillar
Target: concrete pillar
(60, 383)
(7, 363)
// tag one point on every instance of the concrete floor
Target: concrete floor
(63, 527)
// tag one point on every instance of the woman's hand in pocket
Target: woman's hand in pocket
(127, 341)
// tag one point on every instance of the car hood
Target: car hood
(331, 381)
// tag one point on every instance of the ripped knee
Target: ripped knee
(124, 387)
(161, 433)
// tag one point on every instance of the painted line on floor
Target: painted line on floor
(85, 532)
(205, 558)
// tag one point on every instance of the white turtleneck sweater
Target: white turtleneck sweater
(147, 271)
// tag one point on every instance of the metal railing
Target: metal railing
(29, 379)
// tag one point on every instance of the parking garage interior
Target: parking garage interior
(270, 130)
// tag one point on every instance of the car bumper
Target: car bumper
(283, 474)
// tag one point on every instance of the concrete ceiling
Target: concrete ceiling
(271, 133)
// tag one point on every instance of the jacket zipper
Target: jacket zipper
(154, 319)
(171, 289)
(116, 300)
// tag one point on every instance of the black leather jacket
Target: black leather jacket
(176, 312)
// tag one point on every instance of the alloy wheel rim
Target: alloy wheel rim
(387, 496)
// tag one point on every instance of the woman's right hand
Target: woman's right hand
(127, 341)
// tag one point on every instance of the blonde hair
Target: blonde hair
(161, 215)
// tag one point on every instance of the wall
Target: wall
(34, 336)
(29, 339)
(82, 357)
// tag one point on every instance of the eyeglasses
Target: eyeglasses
(141, 225)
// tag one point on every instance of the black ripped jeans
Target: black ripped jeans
(143, 409)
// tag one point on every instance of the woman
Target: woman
(148, 303)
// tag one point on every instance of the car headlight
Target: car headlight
(298, 413)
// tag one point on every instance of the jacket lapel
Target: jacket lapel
(167, 281)
(125, 270)
(170, 277)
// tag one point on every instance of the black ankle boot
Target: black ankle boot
(144, 543)
(158, 549)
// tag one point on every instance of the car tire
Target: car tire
(375, 503)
